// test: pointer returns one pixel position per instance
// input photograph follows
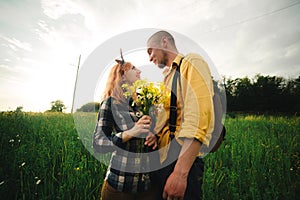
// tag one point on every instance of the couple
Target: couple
(118, 129)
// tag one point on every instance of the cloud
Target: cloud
(45, 38)
(15, 44)
(262, 46)
(57, 8)
(251, 38)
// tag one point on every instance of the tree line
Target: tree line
(267, 94)
(260, 94)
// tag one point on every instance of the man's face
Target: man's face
(156, 54)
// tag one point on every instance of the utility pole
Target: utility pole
(75, 83)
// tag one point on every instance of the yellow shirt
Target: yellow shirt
(195, 115)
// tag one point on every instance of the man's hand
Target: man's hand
(177, 182)
(151, 140)
(175, 186)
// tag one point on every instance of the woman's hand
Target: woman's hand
(141, 126)
(144, 122)
(151, 140)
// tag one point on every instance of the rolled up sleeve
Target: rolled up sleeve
(197, 91)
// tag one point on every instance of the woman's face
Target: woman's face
(132, 75)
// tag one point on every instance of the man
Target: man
(195, 118)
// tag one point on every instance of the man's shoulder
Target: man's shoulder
(195, 59)
(193, 56)
(198, 63)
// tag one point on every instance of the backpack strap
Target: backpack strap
(173, 112)
(173, 103)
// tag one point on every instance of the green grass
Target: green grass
(46, 147)
(260, 160)
(48, 156)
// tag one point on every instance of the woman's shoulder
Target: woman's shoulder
(109, 101)
(106, 102)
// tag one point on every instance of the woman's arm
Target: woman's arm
(102, 140)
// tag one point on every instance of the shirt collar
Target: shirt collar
(176, 61)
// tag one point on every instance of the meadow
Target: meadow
(49, 156)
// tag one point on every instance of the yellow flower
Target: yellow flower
(145, 94)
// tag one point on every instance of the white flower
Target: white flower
(139, 114)
(149, 95)
(139, 90)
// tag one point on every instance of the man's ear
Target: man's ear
(164, 41)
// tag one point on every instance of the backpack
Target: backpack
(219, 132)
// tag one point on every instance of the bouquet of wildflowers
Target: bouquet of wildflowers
(147, 96)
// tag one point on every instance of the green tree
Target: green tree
(57, 106)
(89, 107)
(268, 90)
(244, 94)
(263, 94)
(19, 109)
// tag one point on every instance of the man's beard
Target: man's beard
(161, 66)
(164, 60)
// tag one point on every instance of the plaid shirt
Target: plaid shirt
(127, 161)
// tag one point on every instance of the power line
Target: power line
(252, 18)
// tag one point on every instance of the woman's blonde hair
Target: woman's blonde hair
(115, 80)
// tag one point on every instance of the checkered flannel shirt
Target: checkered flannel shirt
(126, 164)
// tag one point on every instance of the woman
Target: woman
(120, 131)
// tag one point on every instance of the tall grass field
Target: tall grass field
(48, 156)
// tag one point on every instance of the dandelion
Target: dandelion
(77, 168)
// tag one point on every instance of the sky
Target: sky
(41, 41)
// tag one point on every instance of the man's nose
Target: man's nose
(150, 58)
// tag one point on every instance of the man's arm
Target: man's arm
(196, 86)
(177, 182)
